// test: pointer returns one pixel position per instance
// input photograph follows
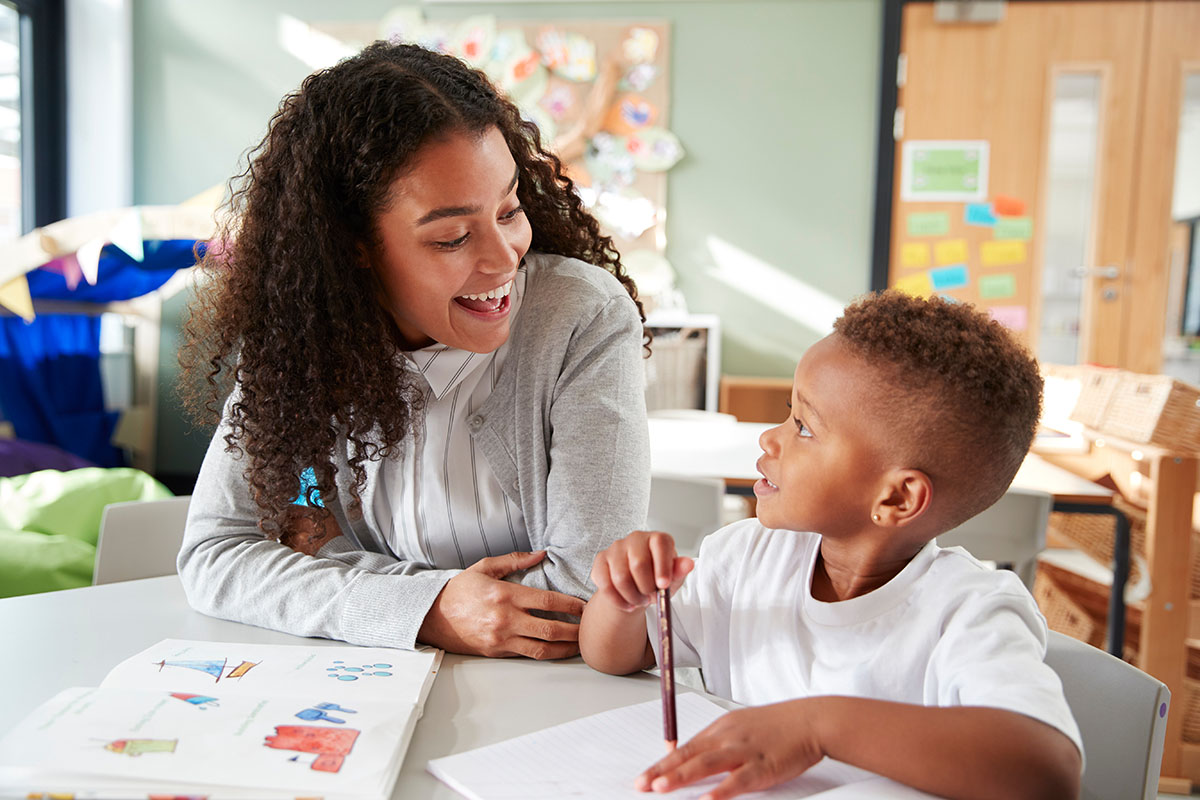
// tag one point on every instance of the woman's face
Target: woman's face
(451, 239)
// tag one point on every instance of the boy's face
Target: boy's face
(819, 466)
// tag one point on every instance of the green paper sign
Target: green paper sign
(929, 223)
(955, 171)
(1013, 228)
(998, 286)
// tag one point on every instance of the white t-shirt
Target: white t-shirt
(946, 631)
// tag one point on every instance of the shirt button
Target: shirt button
(475, 422)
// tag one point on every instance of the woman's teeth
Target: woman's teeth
(499, 291)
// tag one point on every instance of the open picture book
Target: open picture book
(227, 720)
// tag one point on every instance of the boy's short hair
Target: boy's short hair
(962, 395)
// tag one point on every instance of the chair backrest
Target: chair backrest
(1011, 531)
(1122, 715)
(139, 539)
(687, 508)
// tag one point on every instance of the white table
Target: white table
(73, 638)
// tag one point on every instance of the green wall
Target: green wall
(770, 214)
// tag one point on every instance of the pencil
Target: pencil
(667, 669)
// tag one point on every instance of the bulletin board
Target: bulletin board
(599, 91)
(957, 238)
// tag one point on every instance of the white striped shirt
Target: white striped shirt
(445, 505)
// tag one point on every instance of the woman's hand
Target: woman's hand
(479, 613)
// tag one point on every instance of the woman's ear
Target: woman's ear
(907, 495)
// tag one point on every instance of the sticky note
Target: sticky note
(979, 214)
(1002, 252)
(1013, 228)
(929, 223)
(998, 286)
(953, 277)
(914, 254)
(917, 285)
(1013, 317)
(951, 251)
(1006, 206)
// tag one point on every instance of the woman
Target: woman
(417, 312)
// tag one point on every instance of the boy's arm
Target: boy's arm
(628, 574)
(614, 641)
(964, 753)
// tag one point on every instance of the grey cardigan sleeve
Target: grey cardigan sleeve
(598, 488)
(231, 570)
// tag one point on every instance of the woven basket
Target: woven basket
(1096, 388)
(1154, 409)
(1078, 607)
(1094, 534)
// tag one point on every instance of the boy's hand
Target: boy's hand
(631, 571)
(759, 747)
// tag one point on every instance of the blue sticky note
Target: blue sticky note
(980, 214)
(951, 277)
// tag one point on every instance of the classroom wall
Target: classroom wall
(770, 214)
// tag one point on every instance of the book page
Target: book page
(598, 757)
(353, 674)
(157, 740)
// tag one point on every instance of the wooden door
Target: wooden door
(1001, 84)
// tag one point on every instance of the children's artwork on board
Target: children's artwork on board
(598, 90)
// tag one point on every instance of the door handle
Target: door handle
(1110, 273)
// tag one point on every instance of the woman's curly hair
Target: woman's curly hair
(290, 316)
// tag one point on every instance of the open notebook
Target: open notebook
(597, 758)
(227, 720)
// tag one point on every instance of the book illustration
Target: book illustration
(317, 713)
(347, 673)
(136, 747)
(213, 667)
(200, 701)
(331, 745)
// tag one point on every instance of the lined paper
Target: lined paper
(598, 757)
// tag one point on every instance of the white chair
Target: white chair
(139, 539)
(1010, 532)
(1122, 715)
(687, 508)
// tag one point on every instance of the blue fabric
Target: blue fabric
(119, 277)
(50, 386)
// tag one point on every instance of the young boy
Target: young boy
(861, 640)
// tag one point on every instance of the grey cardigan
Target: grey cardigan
(564, 431)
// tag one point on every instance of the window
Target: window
(10, 123)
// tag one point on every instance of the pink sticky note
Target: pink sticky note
(1013, 317)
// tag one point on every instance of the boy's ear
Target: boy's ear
(907, 495)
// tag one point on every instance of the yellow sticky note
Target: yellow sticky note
(914, 254)
(918, 285)
(14, 296)
(1003, 252)
(951, 251)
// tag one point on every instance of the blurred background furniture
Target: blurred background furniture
(140, 539)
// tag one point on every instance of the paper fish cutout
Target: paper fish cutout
(654, 149)
(639, 78)
(472, 40)
(569, 55)
(629, 114)
(640, 46)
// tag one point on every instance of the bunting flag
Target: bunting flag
(14, 296)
